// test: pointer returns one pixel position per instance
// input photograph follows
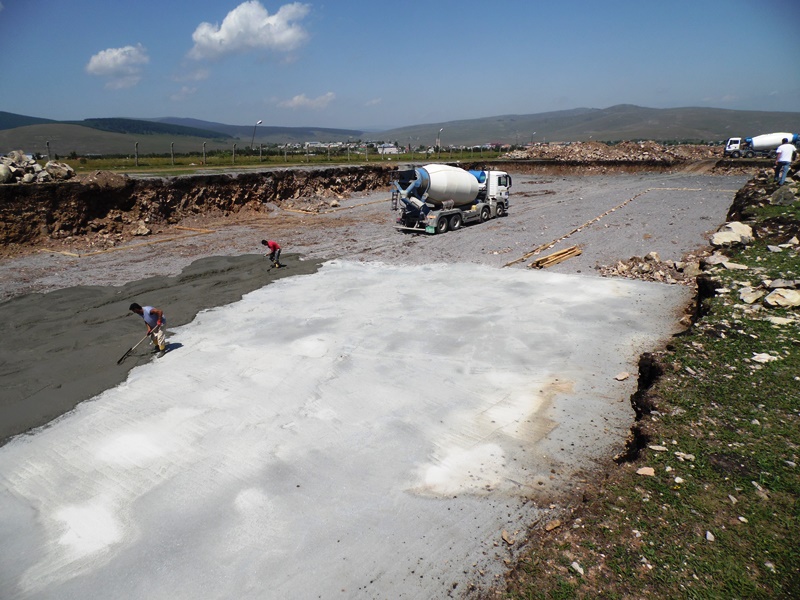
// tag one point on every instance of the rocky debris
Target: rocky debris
(733, 233)
(762, 190)
(646, 151)
(652, 268)
(784, 298)
(18, 167)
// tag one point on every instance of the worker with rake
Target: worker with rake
(274, 252)
(155, 320)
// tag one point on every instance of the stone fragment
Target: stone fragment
(141, 229)
(647, 471)
(732, 234)
(779, 320)
(763, 357)
(750, 295)
(715, 259)
(783, 196)
(783, 297)
(555, 523)
(732, 266)
(783, 283)
(59, 171)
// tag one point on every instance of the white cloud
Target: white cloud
(122, 66)
(250, 27)
(374, 102)
(183, 93)
(301, 101)
(192, 75)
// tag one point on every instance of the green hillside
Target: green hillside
(622, 122)
(65, 139)
(141, 127)
(10, 120)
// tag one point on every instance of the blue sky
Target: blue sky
(377, 65)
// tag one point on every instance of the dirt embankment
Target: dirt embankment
(105, 209)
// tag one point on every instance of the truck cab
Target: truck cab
(737, 147)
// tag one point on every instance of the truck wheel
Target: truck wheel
(501, 211)
(749, 154)
(441, 225)
(486, 214)
(456, 222)
(736, 154)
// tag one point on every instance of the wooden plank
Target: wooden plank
(555, 257)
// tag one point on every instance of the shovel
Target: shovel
(132, 348)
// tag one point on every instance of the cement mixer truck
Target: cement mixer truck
(761, 145)
(440, 198)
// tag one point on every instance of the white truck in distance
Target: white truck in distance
(437, 198)
(761, 145)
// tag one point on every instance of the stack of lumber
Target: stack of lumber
(556, 257)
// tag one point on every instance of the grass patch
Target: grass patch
(721, 516)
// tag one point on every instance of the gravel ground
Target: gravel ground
(668, 213)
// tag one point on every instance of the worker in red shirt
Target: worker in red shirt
(274, 252)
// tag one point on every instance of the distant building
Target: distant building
(388, 149)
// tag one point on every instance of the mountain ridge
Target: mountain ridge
(616, 123)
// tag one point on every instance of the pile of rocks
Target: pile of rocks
(762, 190)
(625, 151)
(18, 167)
(773, 293)
(652, 268)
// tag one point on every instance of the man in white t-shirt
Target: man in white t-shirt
(155, 321)
(785, 156)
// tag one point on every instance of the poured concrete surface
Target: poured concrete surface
(366, 431)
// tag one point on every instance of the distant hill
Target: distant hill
(616, 123)
(142, 127)
(269, 133)
(10, 120)
(621, 122)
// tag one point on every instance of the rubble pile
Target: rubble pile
(624, 151)
(18, 167)
(652, 268)
(762, 190)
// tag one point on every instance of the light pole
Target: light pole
(439, 144)
(254, 133)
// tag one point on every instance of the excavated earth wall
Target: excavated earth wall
(115, 207)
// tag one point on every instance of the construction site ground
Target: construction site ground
(607, 218)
